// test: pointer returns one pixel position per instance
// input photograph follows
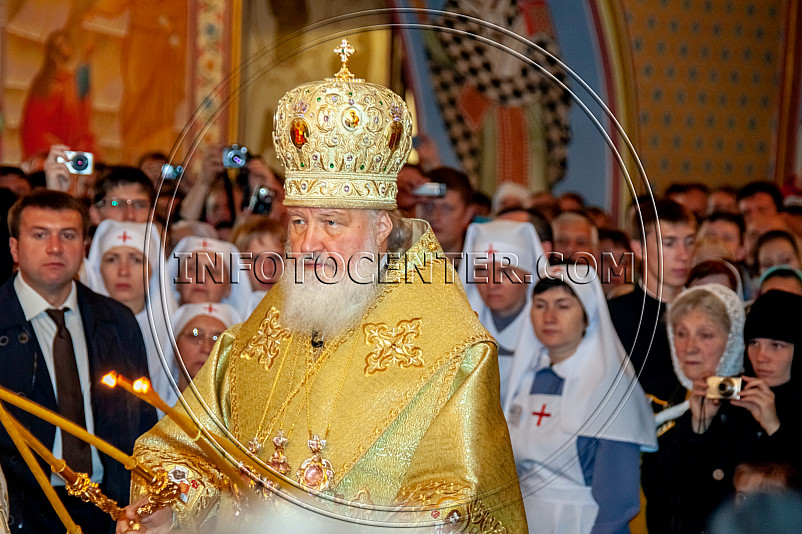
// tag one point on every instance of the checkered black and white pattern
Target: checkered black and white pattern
(457, 58)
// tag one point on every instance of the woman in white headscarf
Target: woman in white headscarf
(196, 328)
(702, 439)
(116, 267)
(203, 269)
(498, 270)
(578, 417)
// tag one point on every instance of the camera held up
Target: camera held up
(77, 162)
(235, 156)
(724, 387)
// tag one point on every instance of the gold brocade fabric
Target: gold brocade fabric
(408, 402)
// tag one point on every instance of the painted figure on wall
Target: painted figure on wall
(57, 107)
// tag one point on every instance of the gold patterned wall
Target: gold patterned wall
(706, 77)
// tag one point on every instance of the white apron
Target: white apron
(556, 499)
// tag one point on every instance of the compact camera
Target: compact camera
(235, 156)
(430, 189)
(77, 162)
(170, 172)
(724, 387)
(261, 201)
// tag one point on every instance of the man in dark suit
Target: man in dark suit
(46, 316)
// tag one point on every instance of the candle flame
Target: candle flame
(142, 385)
(110, 379)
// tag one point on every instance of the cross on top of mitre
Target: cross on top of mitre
(345, 50)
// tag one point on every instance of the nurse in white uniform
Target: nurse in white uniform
(116, 269)
(578, 417)
(498, 271)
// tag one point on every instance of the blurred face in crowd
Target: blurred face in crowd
(16, 183)
(757, 206)
(757, 228)
(700, 341)
(49, 250)
(678, 241)
(776, 252)
(725, 234)
(573, 236)
(195, 343)
(124, 202)
(209, 278)
(771, 359)
(449, 217)
(218, 210)
(123, 273)
(693, 199)
(559, 322)
(263, 273)
(502, 288)
(722, 201)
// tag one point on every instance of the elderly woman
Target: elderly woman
(196, 328)
(578, 418)
(691, 474)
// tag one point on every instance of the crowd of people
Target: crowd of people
(606, 335)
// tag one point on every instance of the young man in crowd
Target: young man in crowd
(123, 194)
(57, 340)
(451, 214)
(758, 200)
(638, 316)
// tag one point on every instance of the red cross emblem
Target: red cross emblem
(490, 251)
(209, 308)
(541, 414)
(124, 236)
(204, 244)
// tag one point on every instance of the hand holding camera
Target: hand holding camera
(63, 168)
(757, 397)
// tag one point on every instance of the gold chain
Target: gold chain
(272, 391)
(336, 399)
(309, 373)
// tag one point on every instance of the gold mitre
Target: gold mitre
(342, 141)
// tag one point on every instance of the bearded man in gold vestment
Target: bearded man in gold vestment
(381, 393)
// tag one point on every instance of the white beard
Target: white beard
(314, 307)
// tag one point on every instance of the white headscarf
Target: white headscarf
(508, 240)
(606, 400)
(111, 234)
(510, 189)
(224, 313)
(240, 293)
(732, 360)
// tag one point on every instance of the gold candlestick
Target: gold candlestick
(12, 427)
(142, 390)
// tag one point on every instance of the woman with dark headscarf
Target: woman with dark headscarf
(771, 393)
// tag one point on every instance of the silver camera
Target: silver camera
(77, 162)
(235, 156)
(724, 387)
(170, 172)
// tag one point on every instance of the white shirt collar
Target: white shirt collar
(33, 303)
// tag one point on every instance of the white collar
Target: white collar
(33, 303)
